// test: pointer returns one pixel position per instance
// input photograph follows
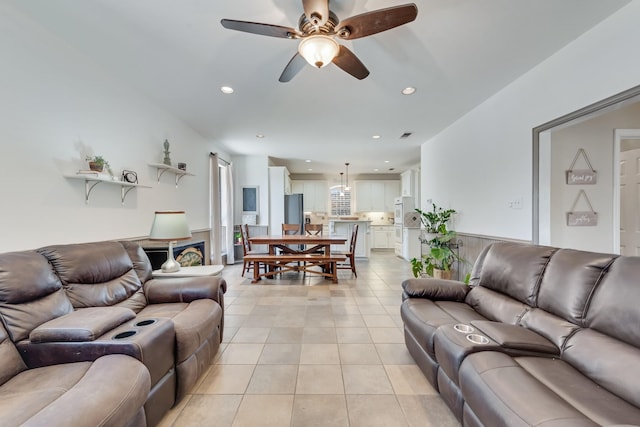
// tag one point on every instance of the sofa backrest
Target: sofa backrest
(30, 293)
(569, 280)
(608, 349)
(505, 280)
(97, 274)
(11, 364)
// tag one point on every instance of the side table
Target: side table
(195, 271)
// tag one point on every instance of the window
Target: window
(340, 201)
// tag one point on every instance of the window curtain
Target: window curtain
(221, 209)
(226, 207)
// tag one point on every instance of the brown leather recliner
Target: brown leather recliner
(108, 391)
(542, 337)
(82, 301)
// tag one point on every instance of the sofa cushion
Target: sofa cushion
(107, 392)
(495, 305)
(94, 274)
(194, 323)
(10, 361)
(550, 326)
(569, 280)
(597, 403)
(140, 260)
(614, 307)
(30, 293)
(514, 270)
(608, 362)
(520, 401)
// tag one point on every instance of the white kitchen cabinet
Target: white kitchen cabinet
(344, 229)
(315, 194)
(382, 237)
(410, 183)
(376, 196)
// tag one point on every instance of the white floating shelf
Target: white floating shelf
(91, 181)
(162, 168)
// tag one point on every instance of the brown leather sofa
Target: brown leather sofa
(76, 304)
(541, 337)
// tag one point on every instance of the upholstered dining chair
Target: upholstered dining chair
(350, 262)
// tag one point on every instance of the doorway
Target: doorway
(626, 205)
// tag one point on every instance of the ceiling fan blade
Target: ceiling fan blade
(350, 63)
(261, 29)
(316, 11)
(294, 66)
(376, 21)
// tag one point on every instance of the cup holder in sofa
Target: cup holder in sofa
(465, 329)
(478, 339)
(146, 322)
(125, 334)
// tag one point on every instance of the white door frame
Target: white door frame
(619, 135)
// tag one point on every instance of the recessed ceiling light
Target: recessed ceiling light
(409, 90)
(376, 170)
(226, 89)
(386, 161)
(376, 137)
(309, 169)
(260, 136)
(307, 161)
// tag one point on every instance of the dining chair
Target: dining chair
(350, 254)
(313, 229)
(246, 249)
(290, 229)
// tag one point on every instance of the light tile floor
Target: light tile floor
(300, 351)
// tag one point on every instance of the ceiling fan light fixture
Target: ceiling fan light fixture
(318, 50)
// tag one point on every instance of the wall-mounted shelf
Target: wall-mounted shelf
(161, 168)
(90, 182)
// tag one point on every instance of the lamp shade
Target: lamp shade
(170, 225)
(318, 50)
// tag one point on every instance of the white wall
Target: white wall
(484, 160)
(56, 108)
(596, 136)
(250, 171)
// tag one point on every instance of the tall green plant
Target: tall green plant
(435, 221)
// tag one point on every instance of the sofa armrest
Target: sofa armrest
(515, 337)
(435, 289)
(185, 289)
(82, 325)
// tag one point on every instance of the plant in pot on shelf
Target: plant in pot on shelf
(98, 164)
(439, 259)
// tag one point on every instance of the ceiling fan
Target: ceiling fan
(318, 29)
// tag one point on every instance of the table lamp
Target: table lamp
(170, 226)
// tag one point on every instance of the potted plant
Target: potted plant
(437, 262)
(435, 221)
(98, 163)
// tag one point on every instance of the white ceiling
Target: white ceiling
(457, 53)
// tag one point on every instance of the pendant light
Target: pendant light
(341, 185)
(347, 188)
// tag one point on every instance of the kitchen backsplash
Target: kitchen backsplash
(376, 218)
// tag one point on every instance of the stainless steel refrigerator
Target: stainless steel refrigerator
(293, 210)
(294, 214)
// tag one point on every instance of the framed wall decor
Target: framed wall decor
(581, 176)
(250, 200)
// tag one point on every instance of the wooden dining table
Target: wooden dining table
(309, 243)
(311, 251)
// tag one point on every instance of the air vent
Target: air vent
(405, 135)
